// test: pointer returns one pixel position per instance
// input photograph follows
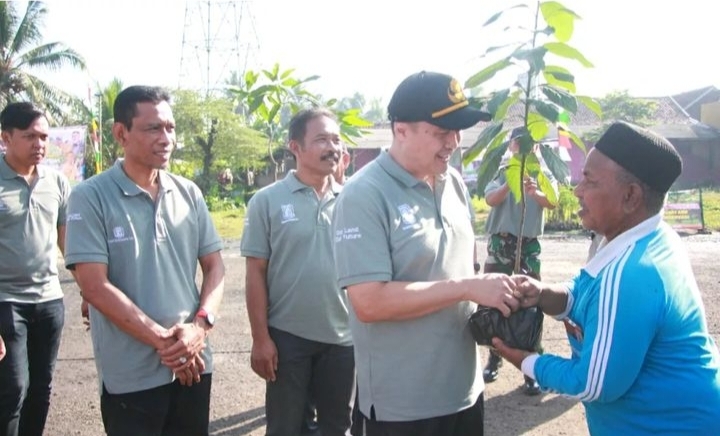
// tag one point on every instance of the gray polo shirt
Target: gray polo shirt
(151, 251)
(505, 217)
(389, 226)
(29, 218)
(289, 225)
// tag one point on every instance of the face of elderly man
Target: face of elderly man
(603, 196)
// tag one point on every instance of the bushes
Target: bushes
(564, 216)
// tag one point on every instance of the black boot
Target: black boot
(490, 373)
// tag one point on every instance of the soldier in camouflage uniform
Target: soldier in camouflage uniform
(503, 226)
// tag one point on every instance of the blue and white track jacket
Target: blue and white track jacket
(643, 361)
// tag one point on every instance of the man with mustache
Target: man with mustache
(643, 361)
(298, 313)
(33, 200)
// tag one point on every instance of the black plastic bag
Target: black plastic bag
(522, 329)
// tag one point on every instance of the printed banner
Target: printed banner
(683, 210)
(65, 151)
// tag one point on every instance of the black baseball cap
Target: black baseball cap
(435, 98)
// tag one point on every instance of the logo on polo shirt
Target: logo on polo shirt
(74, 217)
(407, 215)
(119, 235)
(288, 213)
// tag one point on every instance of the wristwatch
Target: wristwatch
(476, 267)
(207, 316)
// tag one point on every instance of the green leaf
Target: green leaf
(555, 164)
(534, 56)
(290, 82)
(497, 100)
(563, 50)
(331, 102)
(488, 134)
(273, 112)
(560, 18)
(547, 110)
(532, 165)
(250, 78)
(546, 187)
(491, 162)
(561, 98)
(355, 120)
(559, 77)
(497, 47)
(487, 73)
(538, 127)
(513, 176)
(497, 15)
(576, 139)
(591, 104)
(501, 111)
(310, 79)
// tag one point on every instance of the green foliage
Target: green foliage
(22, 55)
(267, 100)
(620, 106)
(229, 223)
(211, 136)
(711, 209)
(546, 92)
(564, 216)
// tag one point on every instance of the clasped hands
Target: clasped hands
(180, 349)
(508, 294)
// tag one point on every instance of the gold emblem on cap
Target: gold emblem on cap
(456, 96)
(455, 92)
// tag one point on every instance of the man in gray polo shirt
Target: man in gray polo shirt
(135, 236)
(33, 199)
(298, 314)
(404, 250)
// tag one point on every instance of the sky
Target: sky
(649, 48)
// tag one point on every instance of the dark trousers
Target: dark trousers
(468, 422)
(168, 410)
(32, 337)
(327, 370)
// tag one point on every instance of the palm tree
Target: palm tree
(111, 150)
(21, 54)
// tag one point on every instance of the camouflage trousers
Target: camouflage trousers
(501, 250)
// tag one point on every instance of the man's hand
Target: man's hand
(191, 373)
(264, 358)
(527, 290)
(531, 187)
(190, 341)
(3, 351)
(512, 355)
(494, 290)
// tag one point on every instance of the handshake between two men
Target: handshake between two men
(511, 322)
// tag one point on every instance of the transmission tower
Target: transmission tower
(219, 40)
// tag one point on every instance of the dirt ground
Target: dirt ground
(237, 402)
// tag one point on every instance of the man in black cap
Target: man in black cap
(643, 361)
(404, 251)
